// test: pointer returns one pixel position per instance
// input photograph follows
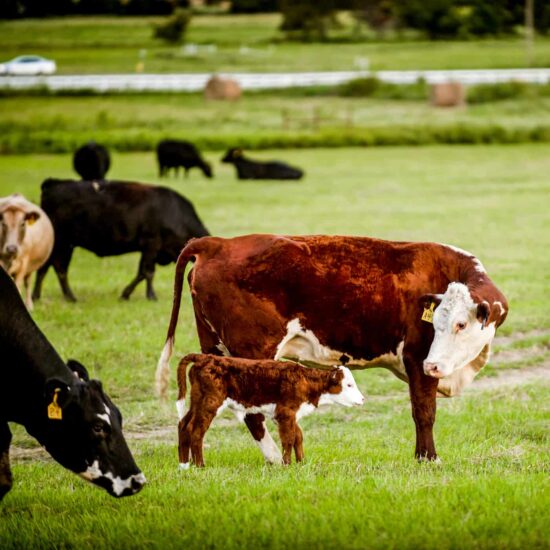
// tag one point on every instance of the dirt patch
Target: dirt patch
(519, 354)
(512, 377)
(518, 336)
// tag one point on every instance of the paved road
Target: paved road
(258, 81)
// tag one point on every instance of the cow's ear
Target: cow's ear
(238, 152)
(79, 370)
(483, 312)
(335, 376)
(31, 217)
(428, 299)
(57, 392)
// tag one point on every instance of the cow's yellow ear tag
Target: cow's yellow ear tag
(30, 221)
(54, 410)
(428, 314)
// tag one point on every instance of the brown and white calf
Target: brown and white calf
(254, 389)
(26, 240)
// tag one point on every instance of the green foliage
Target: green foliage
(372, 87)
(173, 29)
(308, 20)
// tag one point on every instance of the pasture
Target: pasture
(250, 43)
(359, 486)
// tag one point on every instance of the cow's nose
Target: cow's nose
(11, 250)
(138, 481)
(431, 369)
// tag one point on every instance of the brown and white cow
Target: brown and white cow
(26, 240)
(326, 300)
(254, 389)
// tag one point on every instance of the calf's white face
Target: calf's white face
(459, 334)
(349, 394)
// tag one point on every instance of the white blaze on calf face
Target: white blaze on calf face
(459, 337)
(348, 396)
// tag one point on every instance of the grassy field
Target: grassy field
(140, 121)
(244, 43)
(359, 486)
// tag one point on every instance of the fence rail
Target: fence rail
(260, 81)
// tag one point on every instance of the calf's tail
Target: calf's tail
(182, 383)
(163, 366)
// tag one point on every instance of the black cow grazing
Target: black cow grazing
(91, 161)
(248, 169)
(114, 218)
(58, 405)
(173, 153)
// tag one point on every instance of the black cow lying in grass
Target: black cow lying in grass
(91, 161)
(58, 405)
(248, 169)
(114, 218)
(173, 153)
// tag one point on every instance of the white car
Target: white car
(28, 65)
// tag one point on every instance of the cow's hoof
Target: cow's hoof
(70, 298)
(124, 297)
(184, 466)
(425, 460)
(152, 297)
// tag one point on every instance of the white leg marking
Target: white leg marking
(184, 466)
(269, 448)
(180, 407)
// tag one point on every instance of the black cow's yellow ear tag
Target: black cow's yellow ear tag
(54, 410)
(428, 314)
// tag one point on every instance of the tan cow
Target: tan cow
(26, 239)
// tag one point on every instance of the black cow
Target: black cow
(248, 169)
(58, 405)
(91, 161)
(173, 153)
(115, 218)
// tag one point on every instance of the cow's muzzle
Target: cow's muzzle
(433, 370)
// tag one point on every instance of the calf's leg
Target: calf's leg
(286, 421)
(256, 425)
(184, 440)
(206, 412)
(299, 444)
(6, 479)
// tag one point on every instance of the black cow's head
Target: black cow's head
(83, 432)
(232, 155)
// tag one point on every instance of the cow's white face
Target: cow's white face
(459, 334)
(350, 394)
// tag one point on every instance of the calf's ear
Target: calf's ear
(79, 370)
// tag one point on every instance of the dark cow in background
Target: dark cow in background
(173, 153)
(91, 161)
(248, 169)
(115, 218)
(70, 415)
(325, 301)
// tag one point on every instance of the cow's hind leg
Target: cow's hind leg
(256, 425)
(423, 390)
(199, 426)
(146, 271)
(5, 470)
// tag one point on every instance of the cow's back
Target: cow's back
(358, 295)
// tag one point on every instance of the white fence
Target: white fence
(261, 81)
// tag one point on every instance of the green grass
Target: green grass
(113, 45)
(138, 122)
(359, 486)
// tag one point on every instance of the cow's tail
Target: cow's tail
(182, 383)
(163, 366)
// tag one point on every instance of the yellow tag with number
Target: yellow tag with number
(54, 410)
(30, 221)
(428, 314)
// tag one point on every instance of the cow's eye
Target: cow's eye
(461, 326)
(98, 428)
(350, 385)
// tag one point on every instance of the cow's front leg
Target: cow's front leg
(286, 420)
(5, 470)
(256, 425)
(423, 390)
